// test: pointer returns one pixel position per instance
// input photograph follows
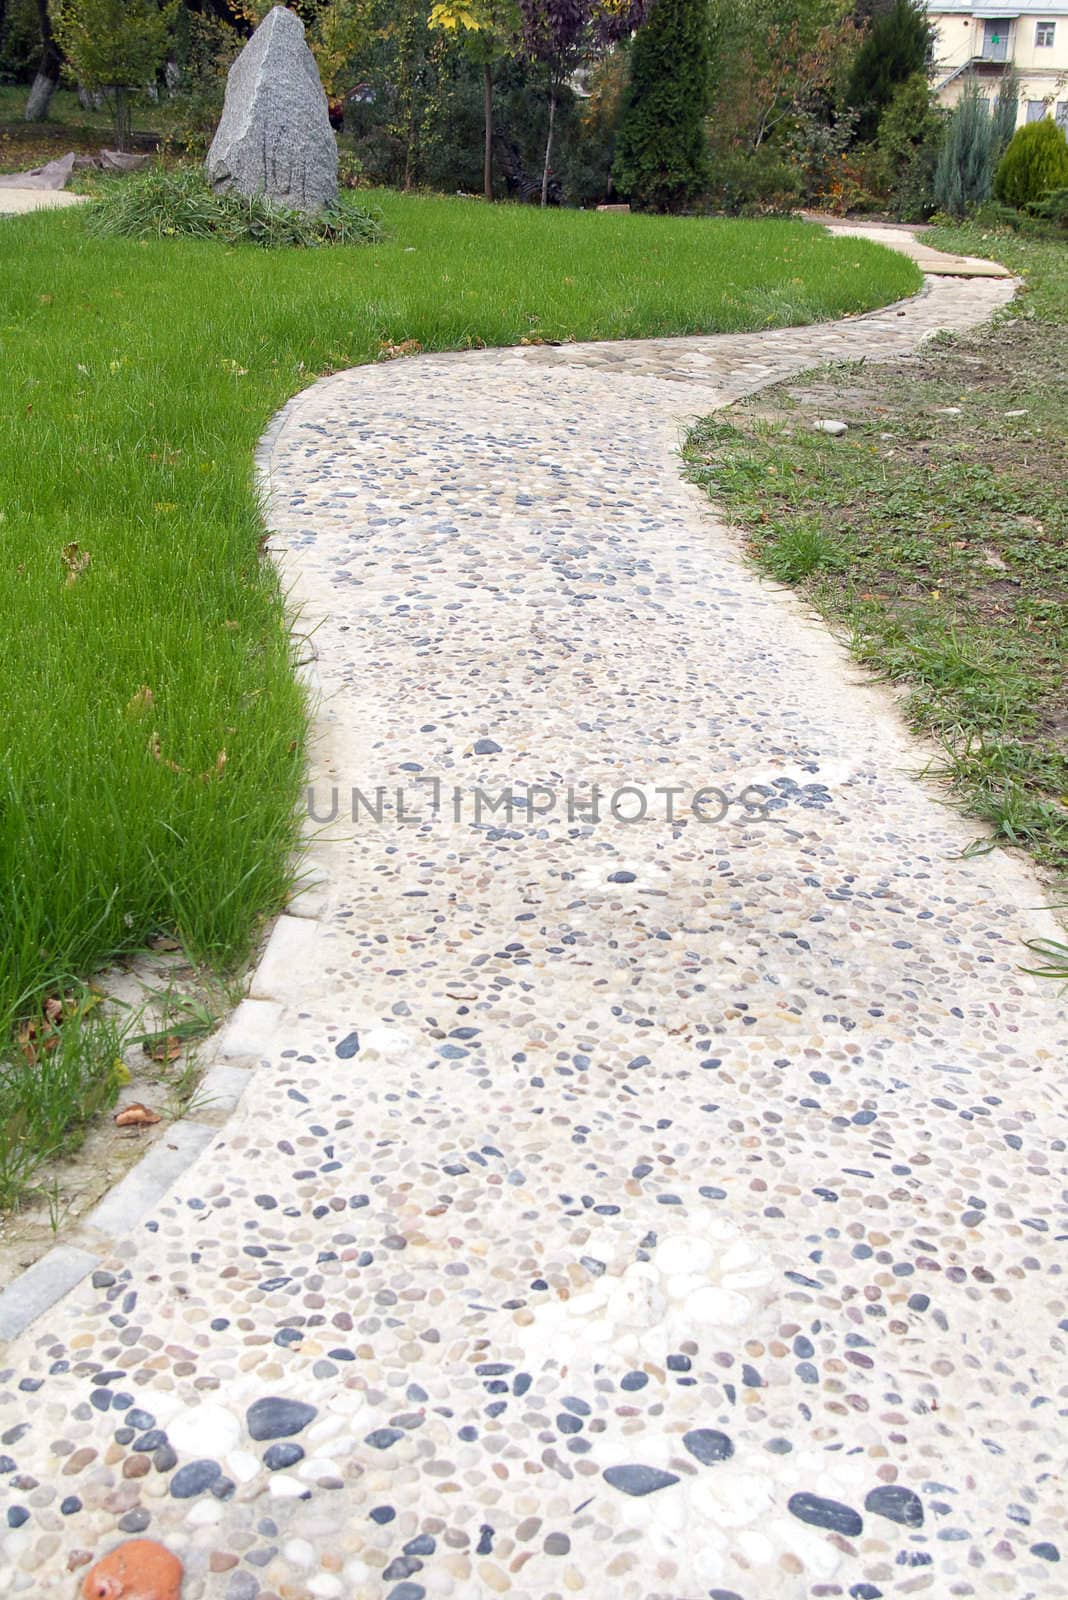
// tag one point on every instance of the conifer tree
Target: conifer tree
(896, 46)
(661, 159)
(965, 165)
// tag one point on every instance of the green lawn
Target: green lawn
(934, 534)
(153, 732)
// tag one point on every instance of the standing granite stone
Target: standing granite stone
(274, 137)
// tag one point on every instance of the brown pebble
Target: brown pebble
(135, 1466)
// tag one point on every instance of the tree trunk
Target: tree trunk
(122, 117)
(47, 79)
(487, 118)
(548, 146)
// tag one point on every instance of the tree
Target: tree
(772, 59)
(896, 47)
(116, 46)
(1035, 162)
(911, 131)
(1006, 110)
(962, 177)
(559, 34)
(489, 29)
(661, 157)
(46, 82)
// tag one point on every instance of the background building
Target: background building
(983, 41)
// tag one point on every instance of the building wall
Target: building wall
(1043, 70)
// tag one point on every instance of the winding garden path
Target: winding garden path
(641, 1210)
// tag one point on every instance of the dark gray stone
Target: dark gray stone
(194, 1478)
(274, 137)
(639, 1480)
(272, 1418)
(382, 1438)
(277, 1456)
(821, 1513)
(899, 1504)
(708, 1445)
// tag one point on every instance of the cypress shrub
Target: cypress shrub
(1035, 162)
(661, 159)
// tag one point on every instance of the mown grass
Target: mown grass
(153, 730)
(934, 534)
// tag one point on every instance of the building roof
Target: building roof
(1016, 8)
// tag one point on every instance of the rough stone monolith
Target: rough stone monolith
(274, 137)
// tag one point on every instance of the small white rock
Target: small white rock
(718, 1308)
(283, 1487)
(684, 1253)
(832, 426)
(205, 1513)
(299, 1553)
(205, 1430)
(1016, 413)
(326, 1585)
(242, 1465)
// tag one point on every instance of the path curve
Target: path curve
(645, 1211)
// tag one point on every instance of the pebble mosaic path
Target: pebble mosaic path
(649, 1211)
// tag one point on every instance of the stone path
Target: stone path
(646, 1210)
(14, 202)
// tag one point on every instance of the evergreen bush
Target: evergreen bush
(1035, 162)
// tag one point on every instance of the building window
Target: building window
(996, 32)
(1044, 32)
(1036, 110)
(1062, 114)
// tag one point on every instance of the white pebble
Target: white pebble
(205, 1430)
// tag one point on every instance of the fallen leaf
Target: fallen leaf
(75, 560)
(140, 702)
(391, 352)
(135, 1116)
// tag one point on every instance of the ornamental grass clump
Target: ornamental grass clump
(179, 203)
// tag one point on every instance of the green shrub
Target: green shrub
(965, 163)
(911, 134)
(1053, 207)
(755, 182)
(1035, 162)
(179, 203)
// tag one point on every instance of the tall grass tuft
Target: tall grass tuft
(180, 203)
